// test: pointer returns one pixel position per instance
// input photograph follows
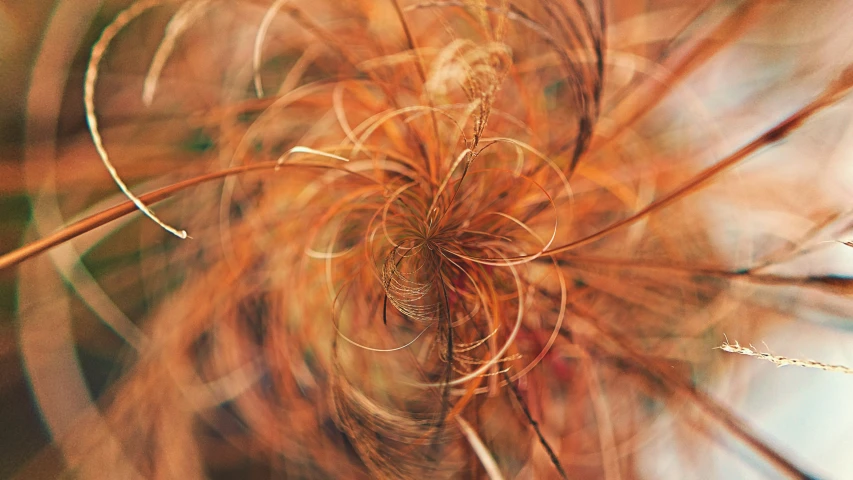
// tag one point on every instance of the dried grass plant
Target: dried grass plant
(431, 239)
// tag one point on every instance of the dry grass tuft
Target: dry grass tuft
(434, 239)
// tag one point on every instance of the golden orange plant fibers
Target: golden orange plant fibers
(433, 239)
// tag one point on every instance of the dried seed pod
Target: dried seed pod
(432, 239)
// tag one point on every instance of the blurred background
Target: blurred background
(39, 119)
(24, 435)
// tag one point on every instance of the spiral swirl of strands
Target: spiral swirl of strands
(450, 240)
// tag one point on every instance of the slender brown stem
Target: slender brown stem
(840, 285)
(104, 217)
(555, 460)
(836, 91)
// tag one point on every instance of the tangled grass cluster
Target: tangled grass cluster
(435, 239)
